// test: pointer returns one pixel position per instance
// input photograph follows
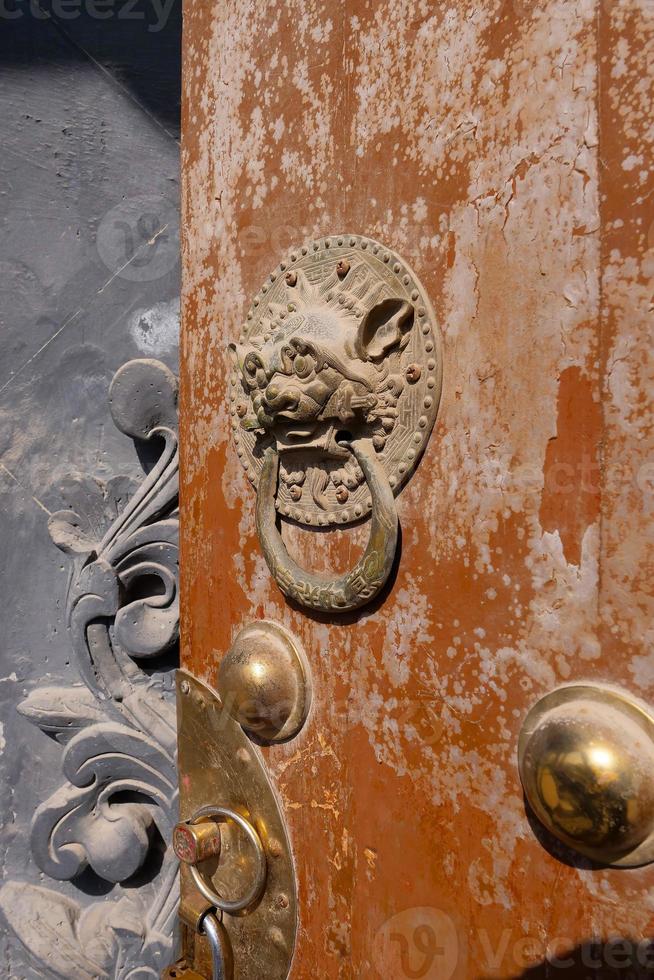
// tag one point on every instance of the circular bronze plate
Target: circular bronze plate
(336, 291)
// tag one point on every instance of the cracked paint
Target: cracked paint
(503, 149)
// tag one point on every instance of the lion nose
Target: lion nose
(281, 399)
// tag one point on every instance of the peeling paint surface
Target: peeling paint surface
(503, 149)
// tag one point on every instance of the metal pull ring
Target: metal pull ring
(220, 814)
(212, 929)
(367, 578)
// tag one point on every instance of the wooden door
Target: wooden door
(503, 149)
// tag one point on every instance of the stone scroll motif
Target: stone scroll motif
(114, 813)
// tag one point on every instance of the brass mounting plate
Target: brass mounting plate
(219, 765)
(338, 298)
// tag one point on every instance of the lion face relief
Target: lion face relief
(323, 365)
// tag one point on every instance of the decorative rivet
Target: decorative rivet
(586, 760)
(342, 494)
(387, 257)
(241, 410)
(291, 278)
(428, 402)
(431, 364)
(417, 438)
(429, 347)
(421, 311)
(415, 294)
(263, 681)
(431, 382)
(397, 267)
(422, 421)
(342, 268)
(413, 373)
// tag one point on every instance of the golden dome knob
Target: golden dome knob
(586, 758)
(263, 682)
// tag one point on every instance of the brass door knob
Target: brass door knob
(586, 759)
(264, 681)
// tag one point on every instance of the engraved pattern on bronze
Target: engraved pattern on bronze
(340, 344)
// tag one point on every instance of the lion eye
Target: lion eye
(254, 371)
(304, 365)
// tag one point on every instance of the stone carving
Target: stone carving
(115, 812)
(334, 393)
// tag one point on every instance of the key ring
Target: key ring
(220, 814)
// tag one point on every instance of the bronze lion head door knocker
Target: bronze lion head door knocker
(334, 393)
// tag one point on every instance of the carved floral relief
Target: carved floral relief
(112, 816)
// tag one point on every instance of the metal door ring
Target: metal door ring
(367, 578)
(220, 814)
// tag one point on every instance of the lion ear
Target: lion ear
(383, 328)
(238, 353)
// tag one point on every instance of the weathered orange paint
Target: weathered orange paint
(570, 501)
(504, 149)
